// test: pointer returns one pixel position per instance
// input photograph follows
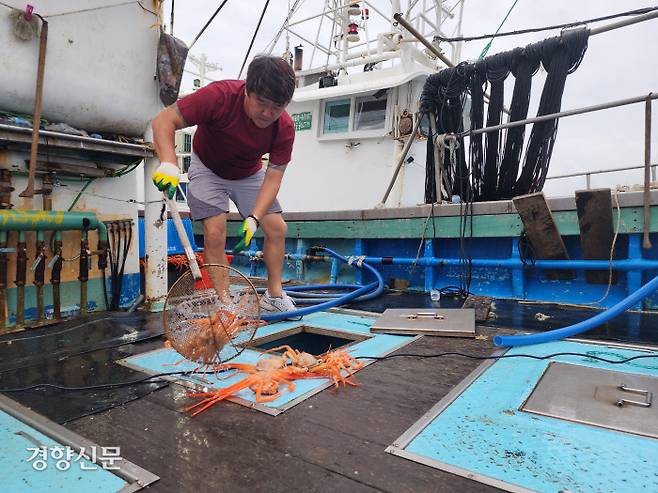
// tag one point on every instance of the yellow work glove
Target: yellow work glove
(166, 178)
(249, 227)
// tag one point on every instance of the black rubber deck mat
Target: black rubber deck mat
(77, 354)
(628, 327)
(403, 299)
(97, 331)
(527, 316)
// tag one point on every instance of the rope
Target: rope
(495, 161)
(488, 45)
(358, 260)
(207, 24)
(560, 56)
(612, 251)
(126, 201)
(422, 240)
(548, 28)
(82, 190)
(253, 38)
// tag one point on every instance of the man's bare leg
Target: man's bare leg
(214, 252)
(275, 229)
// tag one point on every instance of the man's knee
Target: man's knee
(214, 233)
(214, 242)
(275, 228)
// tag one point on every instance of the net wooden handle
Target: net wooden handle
(182, 236)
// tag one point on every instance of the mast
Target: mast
(349, 37)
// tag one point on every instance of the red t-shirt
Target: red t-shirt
(226, 140)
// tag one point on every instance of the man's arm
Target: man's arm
(164, 126)
(268, 190)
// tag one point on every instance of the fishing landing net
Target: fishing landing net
(211, 320)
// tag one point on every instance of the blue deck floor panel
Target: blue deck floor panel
(19, 475)
(483, 431)
(377, 344)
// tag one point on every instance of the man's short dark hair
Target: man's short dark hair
(271, 78)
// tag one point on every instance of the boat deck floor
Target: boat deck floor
(333, 441)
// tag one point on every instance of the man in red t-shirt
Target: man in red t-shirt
(237, 123)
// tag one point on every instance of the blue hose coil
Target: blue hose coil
(585, 325)
(357, 293)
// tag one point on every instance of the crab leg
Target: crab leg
(215, 397)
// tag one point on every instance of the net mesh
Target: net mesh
(209, 325)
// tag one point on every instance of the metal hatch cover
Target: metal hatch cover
(451, 322)
(610, 399)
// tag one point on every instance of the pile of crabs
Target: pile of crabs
(270, 374)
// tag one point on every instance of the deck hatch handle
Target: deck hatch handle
(414, 316)
(648, 397)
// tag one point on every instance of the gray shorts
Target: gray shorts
(208, 194)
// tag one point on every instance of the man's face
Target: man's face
(262, 111)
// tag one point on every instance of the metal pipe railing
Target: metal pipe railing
(387, 55)
(627, 265)
(404, 23)
(33, 220)
(562, 114)
(646, 242)
(410, 140)
(137, 148)
(623, 23)
(41, 221)
(602, 171)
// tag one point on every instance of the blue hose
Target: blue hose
(585, 325)
(358, 293)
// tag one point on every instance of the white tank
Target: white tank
(100, 65)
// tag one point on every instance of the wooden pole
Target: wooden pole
(36, 120)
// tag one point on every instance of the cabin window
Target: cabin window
(365, 115)
(336, 116)
(187, 160)
(181, 192)
(370, 112)
(187, 143)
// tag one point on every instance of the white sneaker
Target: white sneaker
(277, 304)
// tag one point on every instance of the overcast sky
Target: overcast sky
(617, 65)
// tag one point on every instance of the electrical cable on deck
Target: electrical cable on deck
(150, 378)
